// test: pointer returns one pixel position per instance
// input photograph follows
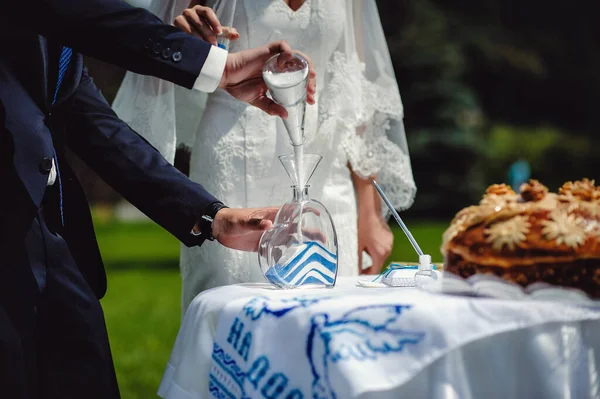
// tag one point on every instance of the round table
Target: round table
(254, 341)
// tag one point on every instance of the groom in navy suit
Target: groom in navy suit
(53, 341)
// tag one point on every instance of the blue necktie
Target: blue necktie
(63, 65)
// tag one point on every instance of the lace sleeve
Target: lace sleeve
(375, 141)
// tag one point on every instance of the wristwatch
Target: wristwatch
(206, 219)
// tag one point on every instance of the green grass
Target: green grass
(142, 306)
(143, 312)
(136, 245)
(427, 234)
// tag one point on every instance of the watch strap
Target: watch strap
(206, 220)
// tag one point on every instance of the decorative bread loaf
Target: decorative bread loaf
(533, 236)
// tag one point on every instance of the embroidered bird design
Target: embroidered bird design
(261, 305)
(361, 334)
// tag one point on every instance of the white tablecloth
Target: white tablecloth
(252, 341)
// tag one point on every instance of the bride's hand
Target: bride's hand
(202, 22)
(242, 228)
(242, 77)
(374, 237)
(374, 234)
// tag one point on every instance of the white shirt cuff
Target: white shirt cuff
(212, 70)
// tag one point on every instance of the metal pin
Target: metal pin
(398, 219)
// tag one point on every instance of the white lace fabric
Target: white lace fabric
(357, 121)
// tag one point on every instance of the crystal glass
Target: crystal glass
(287, 86)
(300, 250)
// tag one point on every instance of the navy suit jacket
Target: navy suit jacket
(31, 129)
(112, 31)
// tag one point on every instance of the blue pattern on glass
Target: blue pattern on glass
(312, 265)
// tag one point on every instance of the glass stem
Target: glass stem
(300, 193)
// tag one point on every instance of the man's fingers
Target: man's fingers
(311, 91)
(243, 75)
(311, 87)
(265, 224)
(311, 209)
(258, 224)
(311, 68)
(283, 49)
(254, 92)
(315, 235)
(262, 219)
(242, 228)
(270, 212)
(270, 106)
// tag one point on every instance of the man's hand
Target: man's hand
(242, 228)
(242, 77)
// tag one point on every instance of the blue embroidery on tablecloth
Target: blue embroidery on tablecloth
(217, 390)
(228, 364)
(260, 306)
(361, 334)
(225, 372)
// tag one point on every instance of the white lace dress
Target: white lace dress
(356, 121)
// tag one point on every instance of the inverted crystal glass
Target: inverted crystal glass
(300, 250)
(287, 85)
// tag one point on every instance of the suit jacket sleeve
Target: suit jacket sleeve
(115, 32)
(130, 164)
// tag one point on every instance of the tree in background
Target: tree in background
(484, 83)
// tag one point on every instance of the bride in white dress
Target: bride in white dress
(356, 125)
